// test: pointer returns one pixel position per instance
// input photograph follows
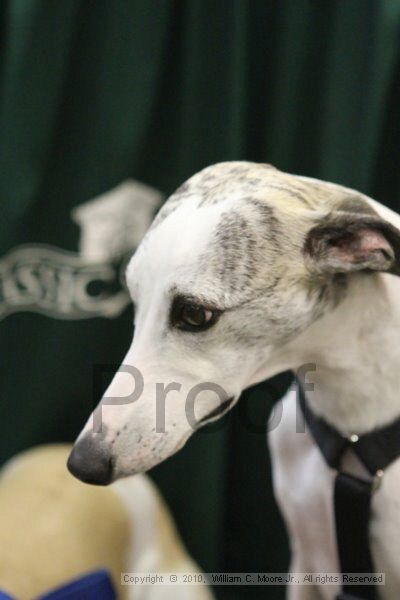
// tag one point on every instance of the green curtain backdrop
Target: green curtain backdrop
(95, 92)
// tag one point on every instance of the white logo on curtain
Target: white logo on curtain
(90, 283)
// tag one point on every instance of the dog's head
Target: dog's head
(239, 261)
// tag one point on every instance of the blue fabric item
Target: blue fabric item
(94, 586)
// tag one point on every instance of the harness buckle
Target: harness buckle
(377, 480)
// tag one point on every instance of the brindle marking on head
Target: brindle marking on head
(241, 247)
(254, 249)
(266, 215)
(214, 184)
(233, 252)
(291, 191)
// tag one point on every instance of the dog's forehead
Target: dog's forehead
(215, 214)
(179, 240)
(219, 181)
(226, 221)
(241, 181)
(203, 249)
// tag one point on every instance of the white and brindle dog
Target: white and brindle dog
(247, 272)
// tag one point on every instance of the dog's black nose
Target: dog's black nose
(90, 461)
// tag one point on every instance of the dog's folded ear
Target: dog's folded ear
(344, 241)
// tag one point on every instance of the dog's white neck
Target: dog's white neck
(357, 356)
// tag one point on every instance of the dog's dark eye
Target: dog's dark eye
(192, 317)
(195, 316)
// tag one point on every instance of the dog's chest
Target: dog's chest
(303, 487)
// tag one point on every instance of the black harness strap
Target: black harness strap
(352, 495)
(352, 502)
